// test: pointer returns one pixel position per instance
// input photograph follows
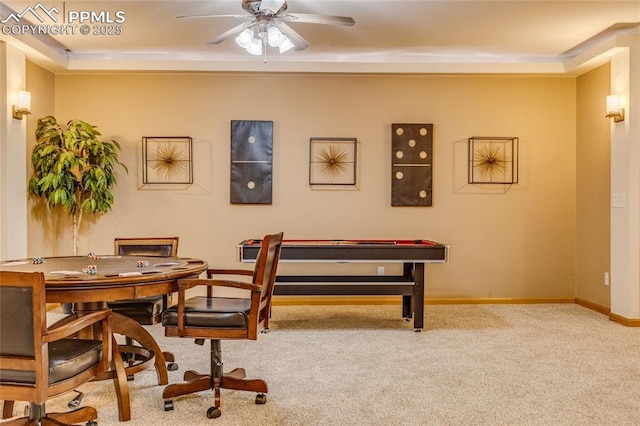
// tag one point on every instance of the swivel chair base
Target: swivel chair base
(198, 382)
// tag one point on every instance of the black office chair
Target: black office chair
(144, 310)
(217, 318)
(37, 363)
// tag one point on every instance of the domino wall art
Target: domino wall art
(411, 164)
(251, 162)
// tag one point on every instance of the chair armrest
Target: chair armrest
(72, 327)
(188, 283)
(246, 272)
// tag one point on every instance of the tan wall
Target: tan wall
(593, 189)
(516, 242)
(42, 235)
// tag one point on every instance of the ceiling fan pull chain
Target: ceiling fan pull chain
(264, 48)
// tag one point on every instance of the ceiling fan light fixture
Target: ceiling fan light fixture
(255, 48)
(275, 37)
(267, 25)
(285, 45)
(244, 38)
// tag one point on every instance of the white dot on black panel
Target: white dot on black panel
(251, 139)
(399, 175)
(399, 131)
(251, 185)
(423, 132)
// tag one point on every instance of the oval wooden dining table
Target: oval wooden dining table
(72, 280)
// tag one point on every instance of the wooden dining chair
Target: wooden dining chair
(145, 310)
(37, 363)
(219, 318)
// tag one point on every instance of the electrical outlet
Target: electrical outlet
(380, 270)
(618, 201)
(606, 278)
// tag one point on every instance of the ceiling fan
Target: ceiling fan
(269, 26)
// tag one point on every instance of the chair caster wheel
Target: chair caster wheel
(213, 413)
(92, 423)
(168, 405)
(172, 366)
(261, 398)
(130, 378)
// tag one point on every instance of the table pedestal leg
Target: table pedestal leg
(120, 383)
(150, 351)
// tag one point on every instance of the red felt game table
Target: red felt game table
(413, 254)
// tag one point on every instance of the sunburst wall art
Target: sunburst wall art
(493, 160)
(332, 161)
(167, 159)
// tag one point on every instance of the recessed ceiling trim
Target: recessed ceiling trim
(158, 64)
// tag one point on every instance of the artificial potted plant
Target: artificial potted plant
(73, 169)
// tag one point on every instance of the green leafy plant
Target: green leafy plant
(73, 169)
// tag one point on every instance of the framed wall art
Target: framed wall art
(411, 164)
(251, 162)
(167, 160)
(332, 161)
(493, 160)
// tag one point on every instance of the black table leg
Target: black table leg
(407, 306)
(418, 296)
(407, 299)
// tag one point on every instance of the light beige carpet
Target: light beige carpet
(556, 364)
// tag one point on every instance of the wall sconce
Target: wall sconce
(23, 105)
(613, 109)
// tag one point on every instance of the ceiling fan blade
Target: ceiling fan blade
(214, 16)
(233, 31)
(299, 43)
(272, 5)
(312, 18)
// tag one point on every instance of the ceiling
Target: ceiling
(397, 36)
